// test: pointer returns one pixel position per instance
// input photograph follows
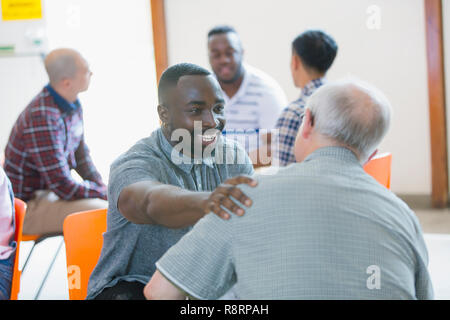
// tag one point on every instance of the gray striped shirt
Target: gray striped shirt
(255, 106)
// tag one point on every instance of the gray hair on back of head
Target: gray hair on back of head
(352, 113)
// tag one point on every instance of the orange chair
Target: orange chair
(380, 168)
(83, 236)
(20, 211)
(20, 208)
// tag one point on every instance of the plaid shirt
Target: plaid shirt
(289, 122)
(46, 142)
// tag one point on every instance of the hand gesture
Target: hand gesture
(220, 198)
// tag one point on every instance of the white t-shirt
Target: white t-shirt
(6, 222)
(255, 106)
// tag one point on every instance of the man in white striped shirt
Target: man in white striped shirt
(253, 99)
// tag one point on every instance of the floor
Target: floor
(435, 225)
(56, 286)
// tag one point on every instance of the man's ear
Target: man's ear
(307, 124)
(66, 82)
(295, 61)
(163, 113)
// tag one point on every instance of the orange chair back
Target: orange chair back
(83, 236)
(380, 168)
(20, 209)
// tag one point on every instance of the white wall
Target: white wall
(115, 37)
(22, 74)
(393, 58)
(20, 79)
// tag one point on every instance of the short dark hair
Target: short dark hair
(171, 75)
(316, 49)
(221, 30)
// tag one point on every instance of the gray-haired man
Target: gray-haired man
(318, 229)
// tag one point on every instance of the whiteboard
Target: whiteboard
(22, 72)
(27, 36)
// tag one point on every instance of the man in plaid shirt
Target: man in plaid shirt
(47, 142)
(313, 53)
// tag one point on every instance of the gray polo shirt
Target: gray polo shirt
(130, 250)
(320, 229)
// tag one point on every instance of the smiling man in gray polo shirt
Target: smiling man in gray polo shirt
(318, 229)
(157, 190)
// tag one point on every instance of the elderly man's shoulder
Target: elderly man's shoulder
(270, 178)
(400, 207)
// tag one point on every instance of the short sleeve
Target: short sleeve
(201, 263)
(424, 286)
(137, 165)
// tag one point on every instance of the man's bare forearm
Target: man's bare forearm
(174, 207)
(167, 205)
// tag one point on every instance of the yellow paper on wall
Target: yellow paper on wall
(21, 9)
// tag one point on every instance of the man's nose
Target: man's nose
(224, 59)
(209, 121)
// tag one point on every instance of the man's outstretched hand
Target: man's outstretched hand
(220, 198)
